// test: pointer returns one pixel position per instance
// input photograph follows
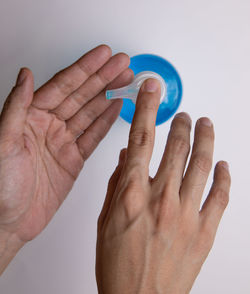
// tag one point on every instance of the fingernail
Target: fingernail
(150, 86)
(225, 165)
(21, 77)
(205, 121)
(183, 115)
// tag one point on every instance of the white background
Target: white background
(209, 44)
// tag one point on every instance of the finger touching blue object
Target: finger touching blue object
(157, 64)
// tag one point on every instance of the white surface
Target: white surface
(209, 43)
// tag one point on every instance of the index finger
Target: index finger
(142, 132)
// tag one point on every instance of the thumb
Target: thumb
(13, 116)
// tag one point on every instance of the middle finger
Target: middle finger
(171, 169)
(92, 87)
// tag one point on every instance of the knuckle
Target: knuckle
(179, 144)
(150, 105)
(188, 225)
(61, 82)
(168, 188)
(141, 137)
(84, 67)
(181, 122)
(221, 197)
(202, 162)
(102, 78)
(205, 240)
(132, 201)
(134, 177)
(77, 99)
(168, 212)
(75, 127)
(91, 115)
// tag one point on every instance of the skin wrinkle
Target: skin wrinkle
(84, 67)
(47, 159)
(99, 80)
(91, 116)
(44, 163)
(51, 154)
(21, 211)
(67, 82)
(156, 234)
(95, 136)
(134, 253)
(14, 221)
(12, 155)
(36, 194)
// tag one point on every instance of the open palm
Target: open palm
(46, 136)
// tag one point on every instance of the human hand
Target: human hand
(45, 138)
(152, 235)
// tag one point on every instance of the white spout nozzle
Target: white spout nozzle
(131, 91)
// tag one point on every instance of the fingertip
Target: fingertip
(27, 70)
(149, 94)
(184, 115)
(204, 129)
(222, 172)
(150, 86)
(105, 49)
(184, 118)
(25, 75)
(223, 164)
(22, 92)
(21, 77)
(124, 58)
(205, 121)
(16, 105)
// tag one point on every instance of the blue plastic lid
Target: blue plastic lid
(150, 62)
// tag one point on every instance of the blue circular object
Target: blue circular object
(150, 62)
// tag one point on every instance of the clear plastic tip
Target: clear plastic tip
(131, 91)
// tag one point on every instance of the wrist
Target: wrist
(10, 244)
